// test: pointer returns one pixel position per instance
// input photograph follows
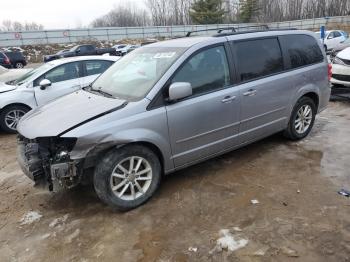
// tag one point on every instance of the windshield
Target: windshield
(26, 76)
(133, 76)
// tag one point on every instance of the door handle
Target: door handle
(251, 92)
(228, 99)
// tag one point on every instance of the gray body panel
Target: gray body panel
(190, 130)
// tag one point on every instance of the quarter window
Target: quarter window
(302, 50)
(258, 58)
(206, 71)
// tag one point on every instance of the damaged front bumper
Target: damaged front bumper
(47, 164)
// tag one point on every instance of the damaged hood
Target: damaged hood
(5, 88)
(66, 113)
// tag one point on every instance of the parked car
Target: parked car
(49, 58)
(17, 59)
(5, 60)
(332, 38)
(124, 49)
(339, 47)
(7, 75)
(85, 50)
(172, 104)
(46, 83)
(341, 68)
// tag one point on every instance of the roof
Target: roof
(181, 42)
(83, 58)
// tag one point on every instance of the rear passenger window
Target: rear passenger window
(96, 67)
(258, 58)
(302, 50)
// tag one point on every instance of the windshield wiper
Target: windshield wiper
(100, 91)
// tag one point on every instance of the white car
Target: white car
(332, 38)
(124, 49)
(12, 74)
(341, 68)
(46, 83)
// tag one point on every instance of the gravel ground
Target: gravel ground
(299, 215)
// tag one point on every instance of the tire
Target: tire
(109, 164)
(14, 112)
(295, 131)
(19, 65)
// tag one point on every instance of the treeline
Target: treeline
(8, 25)
(182, 12)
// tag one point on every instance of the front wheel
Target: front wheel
(302, 119)
(10, 116)
(127, 177)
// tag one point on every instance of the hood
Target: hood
(345, 54)
(13, 74)
(66, 113)
(5, 88)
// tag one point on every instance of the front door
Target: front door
(207, 122)
(65, 79)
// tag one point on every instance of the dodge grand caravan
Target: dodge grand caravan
(172, 104)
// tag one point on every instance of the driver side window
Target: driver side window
(206, 71)
(61, 73)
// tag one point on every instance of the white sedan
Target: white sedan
(46, 83)
(341, 68)
(332, 38)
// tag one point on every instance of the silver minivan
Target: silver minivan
(172, 104)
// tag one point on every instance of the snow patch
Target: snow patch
(58, 221)
(229, 242)
(30, 217)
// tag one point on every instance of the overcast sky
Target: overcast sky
(56, 14)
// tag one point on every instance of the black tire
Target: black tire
(103, 174)
(3, 125)
(291, 132)
(19, 65)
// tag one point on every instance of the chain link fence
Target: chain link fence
(8, 39)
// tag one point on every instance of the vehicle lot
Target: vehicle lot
(299, 217)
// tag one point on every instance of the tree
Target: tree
(249, 10)
(207, 12)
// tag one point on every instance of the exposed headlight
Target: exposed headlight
(338, 61)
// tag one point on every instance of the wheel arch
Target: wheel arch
(15, 104)
(314, 96)
(155, 149)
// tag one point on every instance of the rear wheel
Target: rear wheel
(10, 116)
(19, 65)
(127, 177)
(302, 119)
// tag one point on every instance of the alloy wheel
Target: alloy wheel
(12, 118)
(303, 119)
(131, 178)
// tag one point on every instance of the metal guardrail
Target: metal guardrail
(118, 33)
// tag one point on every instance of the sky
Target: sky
(58, 14)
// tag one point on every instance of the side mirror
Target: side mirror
(330, 37)
(179, 90)
(44, 84)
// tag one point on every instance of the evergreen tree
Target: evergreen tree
(249, 9)
(207, 12)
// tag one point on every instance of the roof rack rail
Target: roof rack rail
(237, 30)
(253, 31)
(232, 29)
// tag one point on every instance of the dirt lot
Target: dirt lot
(299, 217)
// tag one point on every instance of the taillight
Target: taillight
(329, 71)
(7, 61)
